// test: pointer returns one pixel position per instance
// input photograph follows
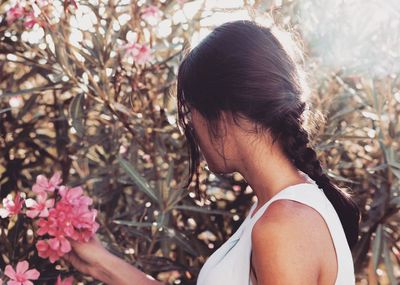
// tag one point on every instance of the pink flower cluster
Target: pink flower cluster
(152, 14)
(24, 11)
(62, 213)
(71, 217)
(141, 53)
(17, 12)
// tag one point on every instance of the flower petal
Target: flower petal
(9, 271)
(4, 213)
(44, 213)
(30, 203)
(41, 180)
(54, 243)
(56, 178)
(32, 213)
(65, 245)
(50, 203)
(41, 197)
(42, 245)
(37, 189)
(22, 266)
(32, 274)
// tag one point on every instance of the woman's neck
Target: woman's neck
(266, 169)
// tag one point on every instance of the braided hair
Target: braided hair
(295, 139)
(243, 67)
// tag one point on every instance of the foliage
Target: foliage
(88, 89)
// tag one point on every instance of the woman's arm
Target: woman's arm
(93, 259)
(115, 271)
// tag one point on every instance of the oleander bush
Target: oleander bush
(87, 89)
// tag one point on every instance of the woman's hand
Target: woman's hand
(85, 257)
(93, 259)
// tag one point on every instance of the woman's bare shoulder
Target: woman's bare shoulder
(285, 241)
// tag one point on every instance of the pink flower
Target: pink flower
(10, 206)
(140, 52)
(47, 226)
(22, 275)
(53, 248)
(67, 281)
(40, 206)
(151, 14)
(60, 243)
(70, 218)
(45, 251)
(31, 20)
(74, 196)
(45, 185)
(15, 13)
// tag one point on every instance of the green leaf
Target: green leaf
(340, 178)
(345, 111)
(201, 210)
(379, 167)
(27, 106)
(5, 110)
(32, 90)
(181, 240)
(388, 263)
(76, 114)
(377, 247)
(139, 234)
(396, 172)
(137, 178)
(132, 223)
(170, 173)
(162, 220)
(175, 196)
(395, 201)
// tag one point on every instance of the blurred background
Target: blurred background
(87, 87)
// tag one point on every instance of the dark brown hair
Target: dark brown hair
(241, 67)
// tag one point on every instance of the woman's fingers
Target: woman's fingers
(76, 262)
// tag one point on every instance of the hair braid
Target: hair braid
(295, 144)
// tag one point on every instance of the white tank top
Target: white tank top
(230, 263)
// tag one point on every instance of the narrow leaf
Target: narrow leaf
(377, 247)
(132, 223)
(137, 178)
(27, 106)
(388, 263)
(181, 240)
(201, 210)
(76, 113)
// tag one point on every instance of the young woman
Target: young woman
(241, 103)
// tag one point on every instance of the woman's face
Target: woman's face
(212, 150)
